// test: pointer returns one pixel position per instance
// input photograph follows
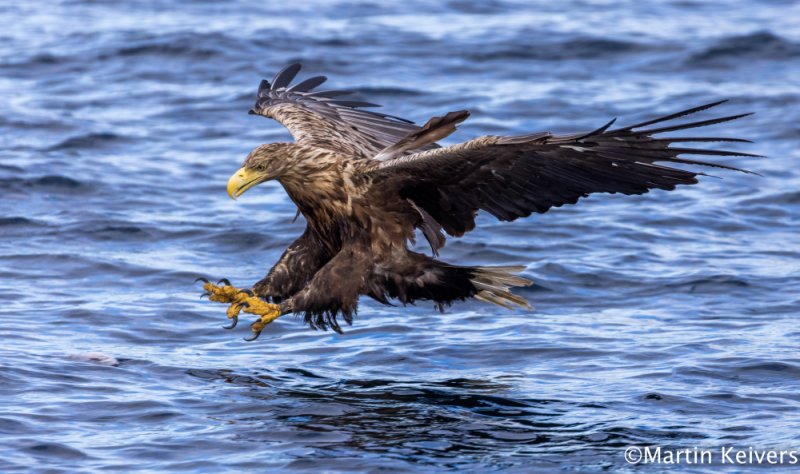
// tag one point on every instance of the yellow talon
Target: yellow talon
(243, 300)
(269, 312)
(222, 294)
(233, 310)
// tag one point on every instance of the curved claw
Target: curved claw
(234, 321)
(254, 337)
(225, 281)
(206, 294)
(204, 280)
(247, 292)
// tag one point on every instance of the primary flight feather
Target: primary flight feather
(366, 181)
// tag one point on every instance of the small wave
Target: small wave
(54, 450)
(125, 229)
(16, 222)
(388, 91)
(52, 183)
(41, 60)
(183, 45)
(45, 58)
(582, 48)
(771, 369)
(774, 199)
(56, 181)
(761, 45)
(711, 284)
(165, 49)
(11, 168)
(745, 370)
(104, 231)
(88, 141)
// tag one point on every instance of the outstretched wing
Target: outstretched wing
(511, 177)
(323, 119)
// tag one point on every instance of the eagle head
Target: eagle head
(264, 163)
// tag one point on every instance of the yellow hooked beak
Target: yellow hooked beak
(242, 180)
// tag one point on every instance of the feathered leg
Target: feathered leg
(298, 264)
(334, 289)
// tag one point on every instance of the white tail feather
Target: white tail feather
(493, 284)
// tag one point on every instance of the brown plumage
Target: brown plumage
(365, 182)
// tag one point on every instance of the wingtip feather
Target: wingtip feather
(672, 116)
(285, 76)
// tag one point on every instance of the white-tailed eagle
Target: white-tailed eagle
(366, 181)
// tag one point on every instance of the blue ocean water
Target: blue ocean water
(668, 319)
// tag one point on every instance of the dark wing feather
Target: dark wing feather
(512, 177)
(320, 119)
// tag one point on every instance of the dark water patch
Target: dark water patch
(789, 133)
(572, 49)
(46, 184)
(759, 46)
(72, 266)
(774, 199)
(108, 230)
(710, 284)
(181, 46)
(335, 42)
(37, 124)
(303, 373)
(56, 181)
(388, 91)
(89, 141)
(391, 418)
(54, 450)
(770, 370)
(241, 240)
(10, 426)
(169, 49)
(44, 59)
(779, 309)
(17, 222)
(131, 229)
(477, 8)
(746, 371)
(10, 168)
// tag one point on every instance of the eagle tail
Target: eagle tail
(492, 285)
(419, 278)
